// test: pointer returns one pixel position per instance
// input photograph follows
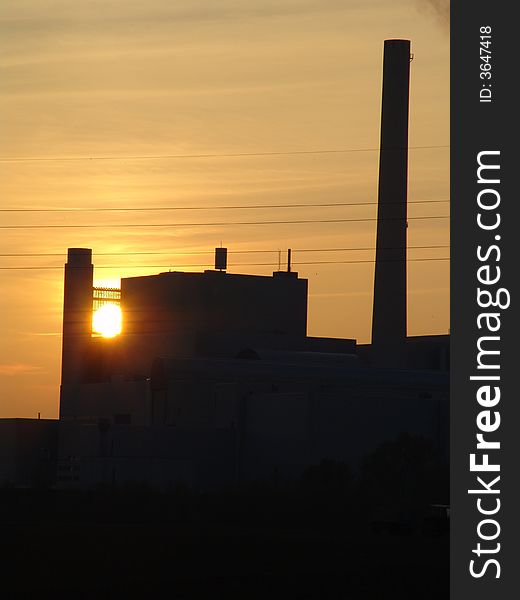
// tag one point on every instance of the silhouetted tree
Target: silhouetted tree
(405, 472)
(329, 478)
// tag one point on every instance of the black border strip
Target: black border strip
(476, 127)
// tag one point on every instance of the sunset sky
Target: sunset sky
(125, 103)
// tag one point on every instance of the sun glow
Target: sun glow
(106, 321)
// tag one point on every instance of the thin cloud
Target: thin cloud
(44, 333)
(12, 369)
(65, 13)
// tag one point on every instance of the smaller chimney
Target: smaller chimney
(77, 320)
(220, 259)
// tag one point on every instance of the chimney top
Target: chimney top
(79, 256)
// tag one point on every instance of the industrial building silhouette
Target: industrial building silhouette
(214, 380)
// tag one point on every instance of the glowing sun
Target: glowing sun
(107, 320)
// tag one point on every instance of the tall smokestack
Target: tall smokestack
(389, 312)
(77, 321)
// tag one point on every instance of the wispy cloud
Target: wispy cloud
(43, 333)
(12, 369)
(64, 11)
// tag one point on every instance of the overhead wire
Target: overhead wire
(268, 264)
(13, 159)
(225, 207)
(215, 224)
(195, 252)
(195, 208)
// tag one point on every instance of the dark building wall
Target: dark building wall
(422, 352)
(113, 455)
(289, 416)
(429, 351)
(112, 401)
(214, 302)
(231, 345)
(28, 452)
(171, 313)
(214, 421)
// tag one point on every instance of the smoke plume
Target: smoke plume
(439, 9)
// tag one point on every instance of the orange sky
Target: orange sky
(129, 78)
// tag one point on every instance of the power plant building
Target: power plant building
(214, 380)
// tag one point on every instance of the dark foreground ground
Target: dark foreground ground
(250, 545)
(329, 535)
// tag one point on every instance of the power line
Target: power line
(13, 159)
(269, 264)
(430, 247)
(228, 207)
(218, 224)
(195, 252)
